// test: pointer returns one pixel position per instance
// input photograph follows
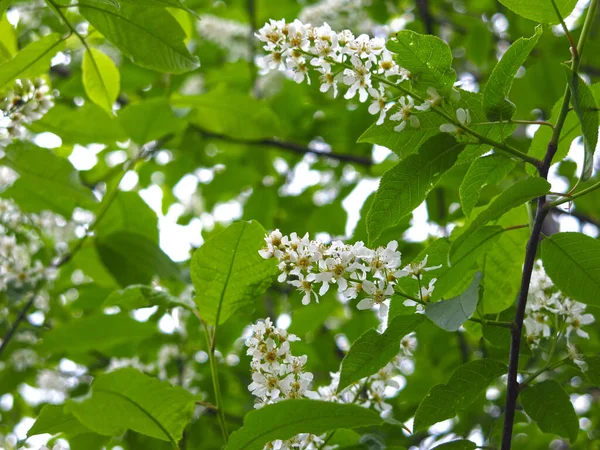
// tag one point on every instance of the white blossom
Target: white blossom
(464, 118)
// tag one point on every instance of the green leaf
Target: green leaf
(484, 171)
(155, 3)
(86, 125)
(288, 418)
(461, 444)
(592, 374)
(33, 60)
(129, 213)
(150, 120)
(467, 382)
(230, 113)
(133, 259)
(572, 261)
(427, 57)
(129, 400)
(228, 273)
(52, 419)
(8, 39)
(46, 181)
(99, 332)
(519, 193)
(540, 10)
(140, 296)
(452, 313)
(374, 350)
(585, 107)
(151, 37)
(405, 186)
(549, 405)
(495, 96)
(101, 78)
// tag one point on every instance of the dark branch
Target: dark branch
(289, 146)
(425, 15)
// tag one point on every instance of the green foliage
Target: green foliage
(374, 350)
(228, 273)
(452, 313)
(286, 419)
(405, 186)
(462, 388)
(127, 399)
(139, 296)
(151, 37)
(101, 79)
(149, 120)
(495, 96)
(549, 405)
(461, 444)
(54, 420)
(572, 260)
(541, 10)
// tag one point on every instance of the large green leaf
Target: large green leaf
(101, 78)
(374, 350)
(516, 195)
(586, 109)
(32, 60)
(129, 400)
(53, 419)
(230, 113)
(467, 382)
(140, 296)
(133, 259)
(486, 170)
(149, 120)
(572, 261)
(46, 181)
(152, 37)
(286, 419)
(86, 125)
(228, 273)
(495, 96)
(95, 333)
(405, 186)
(129, 212)
(452, 313)
(540, 10)
(549, 405)
(427, 57)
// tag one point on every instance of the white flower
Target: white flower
(378, 294)
(417, 269)
(408, 344)
(327, 79)
(379, 103)
(273, 241)
(305, 286)
(464, 118)
(358, 78)
(405, 115)
(576, 357)
(434, 100)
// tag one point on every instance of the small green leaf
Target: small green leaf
(33, 60)
(140, 296)
(133, 259)
(405, 186)
(374, 350)
(230, 113)
(99, 332)
(549, 405)
(152, 37)
(461, 444)
(465, 384)
(288, 418)
(129, 213)
(150, 120)
(428, 58)
(101, 79)
(452, 313)
(586, 109)
(52, 419)
(519, 193)
(572, 261)
(228, 273)
(46, 181)
(129, 400)
(540, 10)
(495, 96)
(484, 171)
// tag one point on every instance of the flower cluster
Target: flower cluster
(26, 102)
(356, 269)
(278, 375)
(229, 35)
(550, 312)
